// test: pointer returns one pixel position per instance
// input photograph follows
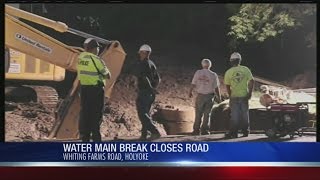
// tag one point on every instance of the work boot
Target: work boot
(245, 134)
(143, 138)
(230, 135)
(205, 133)
(196, 133)
(144, 135)
(96, 137)
(85, 138)
(154, 136)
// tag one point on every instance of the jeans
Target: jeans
(143, 103)
(204, 103)
(239, 115)
(92, 105)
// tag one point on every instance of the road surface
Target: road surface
(220, 138)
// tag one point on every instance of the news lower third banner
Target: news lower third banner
(159, 153)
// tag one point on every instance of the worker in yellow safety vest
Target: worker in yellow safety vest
(92, 73)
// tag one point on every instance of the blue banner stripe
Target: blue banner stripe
(161, 152)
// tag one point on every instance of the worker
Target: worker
(92, 73)
(206, 83)
(239, 82)
(148, 79)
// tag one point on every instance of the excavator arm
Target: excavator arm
(28, 40)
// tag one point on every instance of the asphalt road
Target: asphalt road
(220, 138)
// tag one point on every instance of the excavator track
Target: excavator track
(46, 95)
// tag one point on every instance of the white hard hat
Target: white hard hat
(206, 62)
(145, 47)
(234, 56)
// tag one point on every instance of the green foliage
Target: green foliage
(258, 22)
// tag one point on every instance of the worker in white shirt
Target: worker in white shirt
(206, 84)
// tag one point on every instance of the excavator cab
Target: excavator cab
(22, 66)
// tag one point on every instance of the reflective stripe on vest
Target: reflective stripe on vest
(89, 73)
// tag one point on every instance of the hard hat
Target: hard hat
(206, 62)
(145, 47)
(90, 43)
(235, 56)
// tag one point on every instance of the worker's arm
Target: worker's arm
(217, 91)
(250, 88)
(228, 90)
(152, 74)
(104, 71)
(193, 84)
(144, 74)
(250, 84)
(191, 90)
(227, 82)
(149, 82)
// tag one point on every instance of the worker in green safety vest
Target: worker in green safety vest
(92, 73)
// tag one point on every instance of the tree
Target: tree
(258, 22)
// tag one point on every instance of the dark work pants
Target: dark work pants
(143, 103)
(92, 104)
(239, 115)
(204, 103)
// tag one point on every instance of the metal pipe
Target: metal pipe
(86, 35)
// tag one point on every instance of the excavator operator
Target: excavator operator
(92, 73)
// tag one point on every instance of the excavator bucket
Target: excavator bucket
(68, 111)
(114, 58)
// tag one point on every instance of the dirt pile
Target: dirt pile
(32, 121)
(307, 79)
(27, 121)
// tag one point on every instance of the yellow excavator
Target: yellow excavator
(55, 56)
(24, 73)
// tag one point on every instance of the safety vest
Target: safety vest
(91, 69)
